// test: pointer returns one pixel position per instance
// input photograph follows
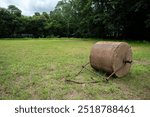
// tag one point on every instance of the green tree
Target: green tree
(5, 22)
(14, 10)
(78, 18)
(36, 25)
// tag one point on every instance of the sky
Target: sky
(29, 7)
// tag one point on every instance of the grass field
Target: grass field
(37, 69)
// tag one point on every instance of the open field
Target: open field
(37, 69)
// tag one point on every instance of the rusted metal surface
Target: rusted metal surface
(111, 57)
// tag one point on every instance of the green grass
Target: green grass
(37, 69)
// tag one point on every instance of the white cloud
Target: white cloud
(28, 7)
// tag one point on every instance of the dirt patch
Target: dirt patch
(73, 95)
(127, 92)
(143, 62)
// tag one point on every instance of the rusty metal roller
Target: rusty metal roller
(111, 57)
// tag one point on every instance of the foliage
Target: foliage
(77, 18)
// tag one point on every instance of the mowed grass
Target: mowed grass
(37, 69)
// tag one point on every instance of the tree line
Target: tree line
(127, 19)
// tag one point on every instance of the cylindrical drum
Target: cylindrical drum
(111, 57)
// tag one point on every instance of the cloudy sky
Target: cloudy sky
(28, 7)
